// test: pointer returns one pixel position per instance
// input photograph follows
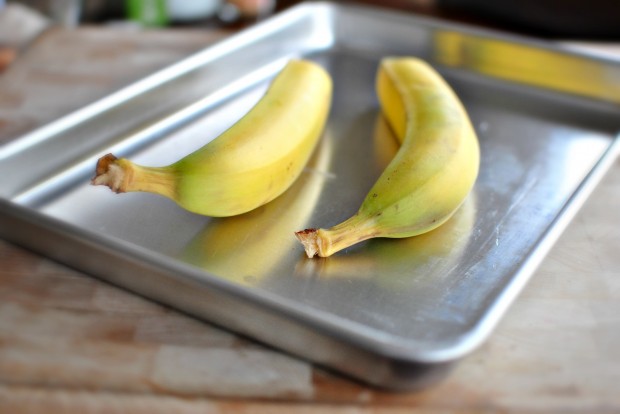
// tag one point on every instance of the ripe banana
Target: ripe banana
(248, 165)
(432, 173)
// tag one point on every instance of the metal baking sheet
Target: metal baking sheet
(393, 313)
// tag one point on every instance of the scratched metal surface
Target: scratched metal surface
(384, 310)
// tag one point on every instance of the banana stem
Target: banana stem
(121, 175)
(325, 242)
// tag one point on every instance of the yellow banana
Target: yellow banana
(432, 173)
(248, 165)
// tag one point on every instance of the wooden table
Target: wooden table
(72, 343)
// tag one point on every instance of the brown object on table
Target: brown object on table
(70, 343)
(19, 25)
(7, 56)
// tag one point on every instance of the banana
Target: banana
(248, 165)
(431, 174)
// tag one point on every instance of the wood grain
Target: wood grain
(72, 343)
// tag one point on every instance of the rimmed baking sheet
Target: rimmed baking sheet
(389, 312)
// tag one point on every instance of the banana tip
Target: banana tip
(107, 172)
(309, 239)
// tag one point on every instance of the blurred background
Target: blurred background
(548, 18)
(22, 20)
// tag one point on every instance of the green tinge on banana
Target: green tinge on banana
(248, 165)
(432, 173)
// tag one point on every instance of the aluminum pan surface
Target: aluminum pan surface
(429, 298)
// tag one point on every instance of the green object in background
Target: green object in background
(151, 13)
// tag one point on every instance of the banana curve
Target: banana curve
(248, 165)
(431, 174)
